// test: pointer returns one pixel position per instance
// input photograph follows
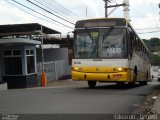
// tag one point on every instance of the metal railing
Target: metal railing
(54, 69)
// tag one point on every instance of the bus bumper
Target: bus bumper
(101, 77)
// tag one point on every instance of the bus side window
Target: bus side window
(140, 50)
(132, 39)
(131, 43)
(137, 45)
(145, 55)
(144, 52)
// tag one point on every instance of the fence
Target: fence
(54, 69)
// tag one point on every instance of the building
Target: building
(21, 54)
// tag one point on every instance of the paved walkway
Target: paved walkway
(67, 83)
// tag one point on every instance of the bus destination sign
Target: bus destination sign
(101, 23)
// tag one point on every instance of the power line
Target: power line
(148, 28)
(65, 8)
(31, 14)
(75, 1)
(50, 12)
(47, 7)
(72, 4)
(150, 32)
(112, 11)
(42, 14)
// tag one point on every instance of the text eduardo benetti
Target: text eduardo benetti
(134, 117)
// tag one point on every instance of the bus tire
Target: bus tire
(147, 76)
(120, 84)
(143, 83)
(92, 84)
(132, 84)
(135, 74)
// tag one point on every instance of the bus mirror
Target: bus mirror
(131, 53)
(68, 36)
(130, 30)
(129, 56)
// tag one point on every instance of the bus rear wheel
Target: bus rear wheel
(132, 84)
(92, 84)
(143, 82)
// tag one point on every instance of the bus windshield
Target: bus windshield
(100, 43)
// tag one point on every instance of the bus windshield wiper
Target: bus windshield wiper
(109, 31)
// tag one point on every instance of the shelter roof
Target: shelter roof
(25, 29)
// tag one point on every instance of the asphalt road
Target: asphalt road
(105, 99)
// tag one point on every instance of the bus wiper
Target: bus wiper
(109, 31)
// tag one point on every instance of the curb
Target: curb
(3, 86)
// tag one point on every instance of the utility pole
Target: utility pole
(86, 12)
(111, 6)
(126, 9)
(106, 5)
(159, 12)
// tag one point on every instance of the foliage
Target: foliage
(154, 46)
(155, 60)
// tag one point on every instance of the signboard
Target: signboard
(104, 22)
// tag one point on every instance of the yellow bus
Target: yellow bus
(109, 50)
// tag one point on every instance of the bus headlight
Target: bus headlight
(120, 69)
(76, 68)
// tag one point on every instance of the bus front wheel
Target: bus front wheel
(92, 84)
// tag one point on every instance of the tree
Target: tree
(155, 60)
(154, 46)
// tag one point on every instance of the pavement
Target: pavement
(150, 106)
(156, 96)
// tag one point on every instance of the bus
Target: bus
(109, 50)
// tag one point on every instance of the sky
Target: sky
(144, 14)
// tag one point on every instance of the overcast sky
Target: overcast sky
(144, 14)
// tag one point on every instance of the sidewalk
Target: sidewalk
(156, 105)
(3, 86)
(67, 83)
